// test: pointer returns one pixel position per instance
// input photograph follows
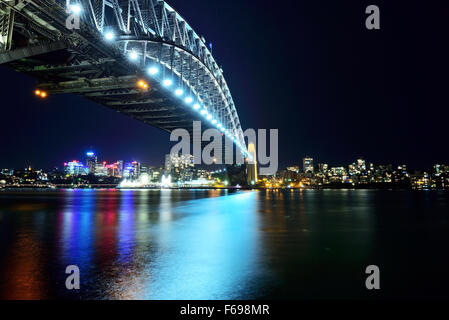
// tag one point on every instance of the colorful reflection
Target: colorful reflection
(215, 244)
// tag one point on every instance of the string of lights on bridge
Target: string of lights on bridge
(154, 71)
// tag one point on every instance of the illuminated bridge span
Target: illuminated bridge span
(139, 57)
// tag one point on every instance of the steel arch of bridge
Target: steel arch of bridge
(154, 33)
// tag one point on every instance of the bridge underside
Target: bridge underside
(58, 69)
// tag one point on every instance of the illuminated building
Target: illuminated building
(352, 169)
(252, 165)
(136, 169)
(112, 169)
(143, 169)
(75, 168)
(91, 161)
(180, 166)
(101, 170)
(438, 169)
(167, 162)
(323, 168)
(155, 174)
(293, 169)
(338, 174)
(120, 168)
(128, 170)
(307, 165)
(173, 161)
(7, 172)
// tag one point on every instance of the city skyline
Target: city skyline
(179, 171)
(313, 161)
(301, 160)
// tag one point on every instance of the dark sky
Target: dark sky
(334, 89)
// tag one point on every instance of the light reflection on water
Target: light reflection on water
(211, 244)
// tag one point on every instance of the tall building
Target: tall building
(91, 161)
(168, 162)
(120, 168)
(144, 169)
(136, 169)
(101, 169)
(113, 170)
(252, 167)
(361, 165)
(307, 165)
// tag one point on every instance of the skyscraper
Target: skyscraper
(307, 165)
(91, 161)
(136, 169)
(361, 165)
(252, 167)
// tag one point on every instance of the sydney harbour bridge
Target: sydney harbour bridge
(138, 57)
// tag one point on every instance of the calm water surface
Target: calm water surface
(207, 244)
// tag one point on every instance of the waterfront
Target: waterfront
(222, 244)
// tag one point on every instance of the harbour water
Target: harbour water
(219, 244)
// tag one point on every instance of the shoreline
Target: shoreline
(112, 187)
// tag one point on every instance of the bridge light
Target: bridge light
(209, 117)
(133, 55)
(167, 82)
(109, 36)
(204, 111)
(196, 106)
(189, 100)
(214, 121)
(179, 92)
(76, 8)
(142, 84)
(219, 125)
(40, 93)
(153, 71)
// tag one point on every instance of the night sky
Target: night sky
(335, 90)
